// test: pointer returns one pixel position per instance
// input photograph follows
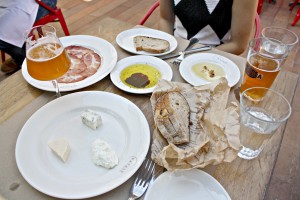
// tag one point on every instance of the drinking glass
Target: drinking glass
(260, 118)
(264, 60)
(46, 57)
(283, 35)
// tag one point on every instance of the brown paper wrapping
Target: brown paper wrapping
(214, 127)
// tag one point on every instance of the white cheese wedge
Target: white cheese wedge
(103, 154)
(91, 119)
(61, 148)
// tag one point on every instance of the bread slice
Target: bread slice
(150, 44)
(171, 115)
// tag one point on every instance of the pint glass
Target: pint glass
(264, 59)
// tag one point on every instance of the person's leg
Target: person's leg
(42, 11)
(17, 54)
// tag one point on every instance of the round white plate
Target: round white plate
(125, 40)
(124, 127)
(108, 60)
(186, 184)
(159, 64)
(232, 72)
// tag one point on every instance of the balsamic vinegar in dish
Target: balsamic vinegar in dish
(140, 76)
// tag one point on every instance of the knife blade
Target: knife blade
(195, 50)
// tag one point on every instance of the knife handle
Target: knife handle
(204, 48)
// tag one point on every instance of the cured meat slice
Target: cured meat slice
(84, 63)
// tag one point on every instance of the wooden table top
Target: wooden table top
(18, 101)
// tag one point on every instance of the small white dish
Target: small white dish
(232, 72)
(125, 40)
(124, 127)
(162, 66)
(186, 185)
(105, 49)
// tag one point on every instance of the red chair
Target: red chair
(54, 15)
(156, 4)
(149, 12)
(260, 4)
(297, 17)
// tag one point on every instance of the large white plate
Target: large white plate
(159, 64)
(125, 40)
(124, 127)
(105, 49)
(232, 72)
(187, 185)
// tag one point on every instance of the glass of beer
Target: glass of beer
(46, 57)
(264, 60)
(283, 35)
(260, 119)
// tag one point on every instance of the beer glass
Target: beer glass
(259, 119)
(46, 57)
(283, 35)
(264, 60)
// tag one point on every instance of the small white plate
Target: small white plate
(108, 60)
(124, 127)
(232, 72)
(159, 64)
(188, 185)
(125, 40)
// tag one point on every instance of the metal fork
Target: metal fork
(142, 180)
(178, 60)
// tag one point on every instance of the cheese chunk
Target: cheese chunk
(91, 119)
(103, 155)
(61, 148)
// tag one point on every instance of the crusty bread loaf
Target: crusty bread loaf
(172, 114)
(150, 44)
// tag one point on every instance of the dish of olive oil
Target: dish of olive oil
(208, 71)
(151, 72)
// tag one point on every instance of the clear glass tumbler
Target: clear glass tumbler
(260, 119)
(283, 35)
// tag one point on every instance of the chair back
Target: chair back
(55, 14)
(149, 12)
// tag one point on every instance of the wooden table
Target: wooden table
(18, 101)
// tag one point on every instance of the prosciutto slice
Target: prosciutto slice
(84, 63)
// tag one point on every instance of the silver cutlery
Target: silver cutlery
(142, 180)
(178, 60)
(186, 52)
(192, 42)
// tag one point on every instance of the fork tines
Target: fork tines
(145, 173)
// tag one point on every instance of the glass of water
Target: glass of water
(260, 118)
(282, 35)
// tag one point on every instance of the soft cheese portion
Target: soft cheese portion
(61, 148)
(103, 154)
(91, 119)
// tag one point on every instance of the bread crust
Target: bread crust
(150, 44)
(172, 115)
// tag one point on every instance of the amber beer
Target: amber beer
(260, 71)
(47, 61)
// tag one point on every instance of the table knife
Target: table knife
(195, 50)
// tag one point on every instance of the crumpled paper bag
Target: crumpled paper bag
(214, 128)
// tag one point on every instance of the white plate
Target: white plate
(124, 127)
(159, 64)
(187, 185)
(125, 40)
(108, 60)
(232, 72)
